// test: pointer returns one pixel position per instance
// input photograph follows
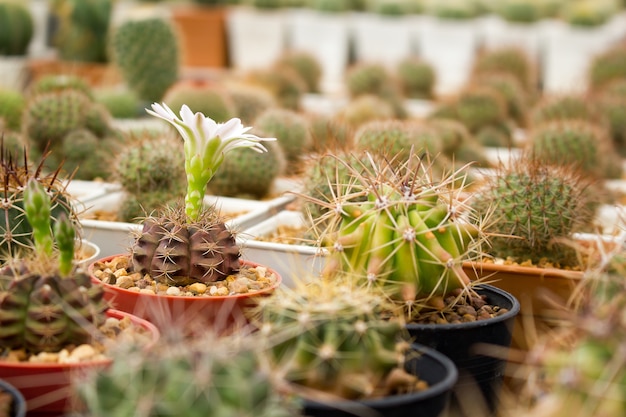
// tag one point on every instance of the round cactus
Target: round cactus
(90, 156)
(531, 210)
(332, 337)
(120, 104)
(12, 105)
(607, 67)
(329, 132)
(512, 60)
(481, 106)
(517, 102)
(612, 102)
(364, 109)
(562, 107)
(55, 83)
(213, 101)
(248, 173)
(177, 251)
(147, 54)
(368, 78)
(16, 28)
(306, 65)
(579, 143)
(284, 83)
(45, 303)
(292, 131)
(250, 101)
(417, 78)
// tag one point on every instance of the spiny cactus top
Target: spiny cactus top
(45, 304)
(205, 142)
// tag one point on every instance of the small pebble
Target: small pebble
(125, 282)
(173, 291)
(198, 288)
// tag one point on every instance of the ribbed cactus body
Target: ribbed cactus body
(46, 312)
(247, 173)
(530, 207)
(16, 28)
(176, 252)
(147, 54)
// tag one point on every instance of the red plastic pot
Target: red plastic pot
(221, 313)
(47, 388)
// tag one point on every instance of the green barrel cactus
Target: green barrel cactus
(331, 337)
(16, 171)
(532, 209)
(406, 237)
(606, 67)
(292, 131)
(306, 65)
(213, 101)
(120, 104)
(284, 83)
(369, 78)
(55, 83)
(579, 143)
(249, 174)
(250, 100)
(12, 105)
(612, 102)
(511, 60)
(509, 87)
(563, 107)
(329, 132)
(45, 303)
(147, 54)
(16, 28)
(366, 108)
(480, 106)
(417, 78)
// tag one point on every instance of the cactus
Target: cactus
(369, 78)
(285, 85)
(98, 120)
(612, 102)
(194, 381)
(87, 155)
(45, 303)
(120, 104)
(365, 108)
(509, 87)
(250, 101)
(147, 54)
(12, 105)
(494, 136)
(481, 106)
(520, 11)
(579, 143)
(16, 28)
(329, 132)
(16, 232)
(532, 209)
(406, 237)
(588, 13)
(55, 83)
(249, 174)
(512, 60)
(563, 107)
(136, 207)
(306, 65)
(292, 131)
(606, 67)
(457, 143)
(83, 29)
(454, 9)
(213, 101)
(417, 78)
(331, 337)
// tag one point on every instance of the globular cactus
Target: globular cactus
(480, 106)
(588, 13)
(12, 104)
(332, 337)
(122, 104)
(612, 102)
(511, 60)
(98, 120)
(176, 251)
(417, 78)
(494, 136)
(329, 132)
(15, 172)
(285, 85)
(87, 155)
(366, 108)
(211, 100)
(408, 237)
(249, 174)
(457, 143)
(147, 54)
(292, 131)
(55, 83)
(509, 87)
(250, 100)
(229, 380)
(520, 11)
(532, 209)
(562, 107)
(45, 303)
(306, 65)
(368, 78)
(16, 28)
(579, 143)
(606, 67)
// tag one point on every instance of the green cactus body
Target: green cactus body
(417, 78)
(135, 207)
(374, 79)
(306, 65)
(55, 83)
(329, 132)
(51, 116)
(16, 28)
(494, 136)
(91, 156)
(509, 87)
(520, 11)
(333, 338)
(579, 143)
(45, 303)
(120, 104)
(562, 108)
(147, 54)
(284, 83)
(12, 105)
(366, 108)
(292, 131)
(212, 101)
(530, 207)
(247, 173)
(512, 60)
(406, 237)
(98, 120)
(478, 107)
(250, 101)
(607, 67)
(612, 100)
(175, 251)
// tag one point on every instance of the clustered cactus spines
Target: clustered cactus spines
(534, 210)
(175, 251)
(15, 230)
(332, 337)
(190, 380)
(16, 28)
(407, 236)
(147, 54)
(45, 304)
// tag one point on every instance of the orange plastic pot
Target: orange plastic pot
(47, 387)
(221, 313)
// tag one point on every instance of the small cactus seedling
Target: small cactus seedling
(408, 237)
(45, 303)
(333, 338)
(192, 244)
(534, 210)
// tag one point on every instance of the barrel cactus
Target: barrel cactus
(250, 100)
(332, 337)
(531, 210)
(16, 28)
(481, 106)
(562, 107)
(511, 60)
(612, 102)
(47, 304)
(417, 78)
(607, 67)
(147, 54)
(12, 104)
(306, 65)
(369, 78)
(211, 100)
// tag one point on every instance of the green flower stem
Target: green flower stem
(37, 209)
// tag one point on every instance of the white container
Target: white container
(292, 261)
(499, 33)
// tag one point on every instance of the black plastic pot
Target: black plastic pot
(463, 342)
(18, 409)
(429, 365)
